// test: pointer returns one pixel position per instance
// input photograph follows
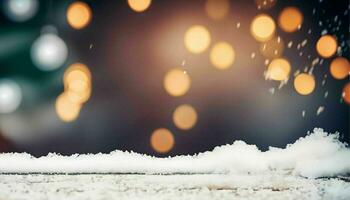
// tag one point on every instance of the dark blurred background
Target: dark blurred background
(128, 54)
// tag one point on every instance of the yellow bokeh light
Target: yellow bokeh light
(326, 46)
(79, 15)
(162, 140)
(278, 69)
(139, 5)
(176, 82)
(222, 55)
(265, 4)
(263, 28)
(67, 110)
(197, 39)
(346, 93)
(273, 48)
(185, 117)
(340, 68)
(217, 9)
(304, 83)
(290, 19)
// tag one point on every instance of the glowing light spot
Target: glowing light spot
(273, 48)
(263, 28)
(10, 96)
(67, 110)
(340, 68)
(326, 46)
(49, 52)
(177, 83)
(304, 83)
(278, 69)
(139, 5)
(185, 117)
(217, 9)
(265, 4)
(20, 10)
(222, 55)
(346, 93)
(197, 39)
(79, 15)
(290, 19)
(162, 140)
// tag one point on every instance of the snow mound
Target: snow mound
(319, 154)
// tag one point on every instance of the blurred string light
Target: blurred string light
(278, 70)
(162, 140)
(10, 96)
(326, 46)
(340, 68)
(197, 39)
(67, 110)
(185, 117)
(79, 15)
(49, 52)
(290, 19)
(263, 27)
(265, 4)
(139, 5)
(273, 48)
(20, 10)
(217, 9)
(222, 55)
(346, 93)
(176, 82)
(304, 83)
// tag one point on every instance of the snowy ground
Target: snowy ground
(157, 187)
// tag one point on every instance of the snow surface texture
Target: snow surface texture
(319, 154)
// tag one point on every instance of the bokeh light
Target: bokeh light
(176, 82)
(67, 110)
(278, 69)
(162, 140)
(263, 28)
(10, 96)
(49, 52)
(185, 117)
(273, 48)
(265, 4)
(290, 19)
(304, 83)
(346, 93)
(326, 46)
(222, 55)
(217, 9)
(197, 39)
(340, 68)
(20, 10)
(79, 15)
(139, 5)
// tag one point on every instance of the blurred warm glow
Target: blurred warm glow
(67, 110)
(222, 55)
(79, 15)
(176, 82)
(77, 83)
(346, 93)
(265, 4)
(139, 5)
(340, 68)
(304, 83)
(278, 69)
(197, 39)
(273, 48)
(326, 46)
(217, 9)
(263, 27)
(290, 19)
(162, 140)
(185, 117)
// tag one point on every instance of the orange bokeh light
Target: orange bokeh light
(346, 93)
(278, 69)
(185, 117)
(162, 140)
(290, 19)
(176, 82)
(79, 15)
(263, 28)
(304, 83)
(340, 68)
(139, 5)
(326, 46)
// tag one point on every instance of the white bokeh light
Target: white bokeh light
(20, 10)
(49, 52)
(10, 96)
